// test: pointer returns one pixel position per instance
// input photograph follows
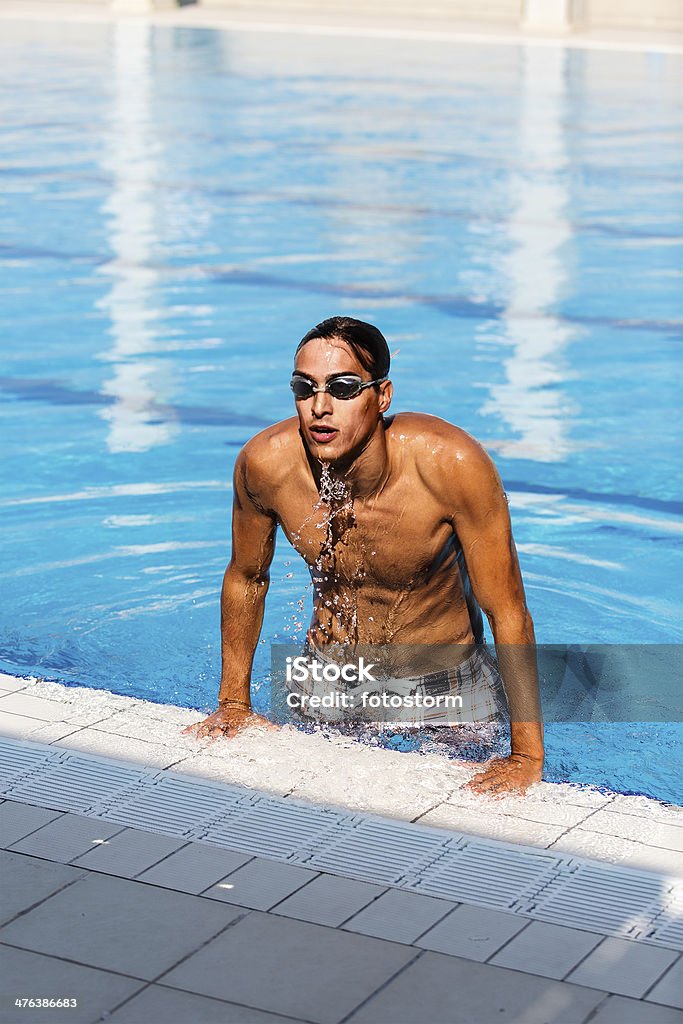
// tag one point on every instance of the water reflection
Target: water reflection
(139, 385)
(534, 272)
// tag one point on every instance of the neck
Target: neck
(364, 472)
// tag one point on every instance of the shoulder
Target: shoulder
(449, 461)
(268, 457)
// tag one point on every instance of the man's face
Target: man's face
(335, 428)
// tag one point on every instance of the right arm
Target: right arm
(243, 596)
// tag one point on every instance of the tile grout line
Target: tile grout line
(74, 963)
(592, 1014)
(420, 953)
(507, 943)
(146, 777)
(661, 978)
(583, 959)
(243, 912)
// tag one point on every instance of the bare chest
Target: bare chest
(390, 541)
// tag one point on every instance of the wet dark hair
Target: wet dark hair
(366, 341)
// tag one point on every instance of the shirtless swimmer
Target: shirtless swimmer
(427, 520)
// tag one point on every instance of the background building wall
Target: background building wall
(648, 15)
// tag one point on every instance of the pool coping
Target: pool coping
(565, 819)
(79, 763)
(378, 25)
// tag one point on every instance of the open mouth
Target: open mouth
(322, 434)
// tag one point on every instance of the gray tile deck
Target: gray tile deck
(292, 967)
(260, 884)
(669, 989)
(547, 949)
(129, 853)
(329, 899)
(623, 967)
(67, 837)
(329, 948)
(442, 989)
(156, 1004)
(400, 916)
(19, 820)
(194, 868)
(620, 1010)
(147, 929)
(26, 882)
(24, 974)
(472, 932)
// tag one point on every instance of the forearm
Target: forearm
(242, 605)
(516, 652)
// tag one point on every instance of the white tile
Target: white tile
(546, 949)
(18, 820)
(128, 853)
(50, 732)
(92, 741)
(669, 989)
(236, 770)
(10, 683)
(643, 807)
(621, 1010)
(260, 884)
(571, 793)
(614, 850)
(133, 724)
(492, 826)
(624, 967)
(528, 808)
(640, 829)
(399, 916)
(328, 899)
(68, 836)
(193, 868)
(472, 932)
(23, 703)
(16, 726)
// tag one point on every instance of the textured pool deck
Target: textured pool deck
(154, 877)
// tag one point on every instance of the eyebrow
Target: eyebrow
(332, 376)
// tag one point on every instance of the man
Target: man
(404, 525)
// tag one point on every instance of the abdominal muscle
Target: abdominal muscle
(429, 608)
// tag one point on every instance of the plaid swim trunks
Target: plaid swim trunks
(469, 692)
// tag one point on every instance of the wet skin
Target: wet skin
(420, 522)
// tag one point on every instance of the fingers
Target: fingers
(499, 778)
(213, 730)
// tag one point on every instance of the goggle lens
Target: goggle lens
(340, 387)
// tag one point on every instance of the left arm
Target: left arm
(482, 523)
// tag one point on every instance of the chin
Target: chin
(327, 453)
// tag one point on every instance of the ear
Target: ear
(386, 391)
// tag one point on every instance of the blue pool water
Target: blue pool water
(180, 205)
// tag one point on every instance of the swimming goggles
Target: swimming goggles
(348, 386)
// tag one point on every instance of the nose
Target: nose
(322, 403)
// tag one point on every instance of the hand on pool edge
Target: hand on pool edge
(502, 775)
(227, 722)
